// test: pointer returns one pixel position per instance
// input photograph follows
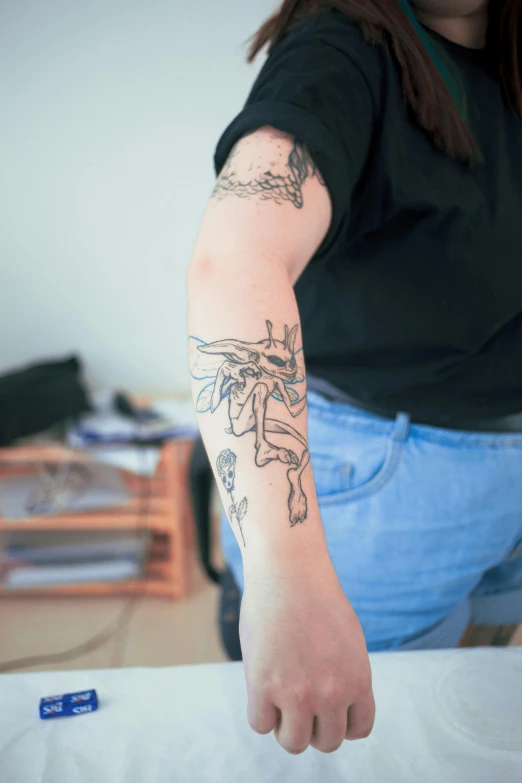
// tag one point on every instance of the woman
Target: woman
(375, 172)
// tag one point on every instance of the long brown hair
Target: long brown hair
(425, 90)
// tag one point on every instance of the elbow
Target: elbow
(202, 268)
(208, 272)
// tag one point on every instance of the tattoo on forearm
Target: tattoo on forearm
(281, 188)
(226, 468)
(251, 375)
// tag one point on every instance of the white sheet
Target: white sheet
(188, 725)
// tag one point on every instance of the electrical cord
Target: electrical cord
(121, 622)
(118, 657)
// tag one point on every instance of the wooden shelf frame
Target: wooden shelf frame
(166, 512)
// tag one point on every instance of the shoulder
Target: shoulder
(334, 32)
(329, 26)
(330, 45)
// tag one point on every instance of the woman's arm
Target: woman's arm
(306, 664)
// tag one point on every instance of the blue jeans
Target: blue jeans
(423, 524)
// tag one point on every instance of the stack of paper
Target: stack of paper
(71, 487)
(167, 420)
(52, 558)
(44, 576)
(127, 442)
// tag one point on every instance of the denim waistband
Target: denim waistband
(341, 414)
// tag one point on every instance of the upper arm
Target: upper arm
(270, 200)
(277, 196)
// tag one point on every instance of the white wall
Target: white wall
(109, 114)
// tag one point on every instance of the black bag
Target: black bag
(36, 398)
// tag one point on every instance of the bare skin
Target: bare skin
(306, 665)
(464, 22)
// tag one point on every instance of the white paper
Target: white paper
(177, 419)
(189, 725)
(178, 410)
(42, 576)
(141, 460)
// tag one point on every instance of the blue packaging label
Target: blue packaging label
(51, 699)
(51, 710)
(68, 704)
(71, 698)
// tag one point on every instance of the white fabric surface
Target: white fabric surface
(189, 724)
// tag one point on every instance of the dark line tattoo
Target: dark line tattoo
(249, 374)
(226, 468)
(281, 188)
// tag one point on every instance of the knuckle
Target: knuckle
(254, 722)
(330, 689)
(331, 748)
(362, 689)
(301, 695)
(258, 728)
(327, 747)
(273, 686)
(294, 750)
(362, 729)
(359, 732)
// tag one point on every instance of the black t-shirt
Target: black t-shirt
(414, 300)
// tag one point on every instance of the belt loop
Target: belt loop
(402, 427)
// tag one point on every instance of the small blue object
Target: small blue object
(68, 704)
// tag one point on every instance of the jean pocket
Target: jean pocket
(331, 475)
(367, 463)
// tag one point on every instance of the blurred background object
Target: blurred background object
(100, 204)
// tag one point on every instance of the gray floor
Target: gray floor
(160, 633)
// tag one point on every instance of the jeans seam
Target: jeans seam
(450, 438)
(375, 484)
(468, 440)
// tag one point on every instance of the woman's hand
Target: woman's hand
(307, 668)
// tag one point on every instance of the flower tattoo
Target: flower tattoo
(226, 468)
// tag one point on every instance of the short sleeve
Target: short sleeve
(317, 86)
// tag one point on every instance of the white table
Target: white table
(189, 724)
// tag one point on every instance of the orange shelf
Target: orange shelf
(165, 510)
(86, 522)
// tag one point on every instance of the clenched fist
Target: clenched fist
(306, 663)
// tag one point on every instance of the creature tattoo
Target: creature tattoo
(250, 374)
(226, 468)
(269, 186)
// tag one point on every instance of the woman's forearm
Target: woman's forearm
(305, 659)
(249, 388)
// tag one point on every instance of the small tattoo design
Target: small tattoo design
(250, 375)
(269, 186)
(226, 468)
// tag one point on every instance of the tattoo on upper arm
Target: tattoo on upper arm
(268, 186)
(252, 376)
